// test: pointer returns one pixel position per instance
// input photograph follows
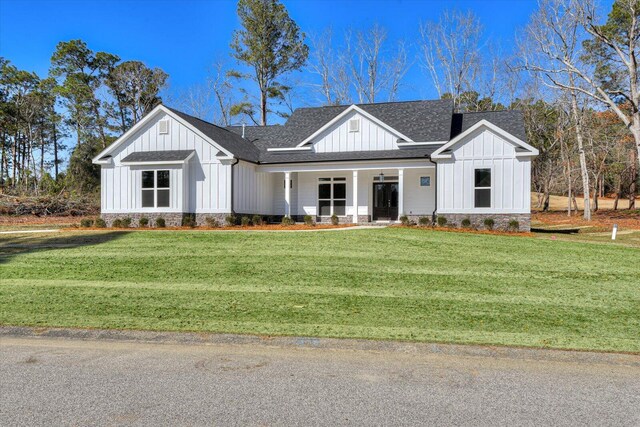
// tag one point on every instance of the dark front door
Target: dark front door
(385, 201)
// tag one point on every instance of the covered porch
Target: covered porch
(356, 192)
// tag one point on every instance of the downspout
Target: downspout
(435, 204)
(231, 189)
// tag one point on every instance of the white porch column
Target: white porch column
(400, 192)
(355, 196)
(287, 194)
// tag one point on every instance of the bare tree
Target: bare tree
(553, 38)
(451, 52)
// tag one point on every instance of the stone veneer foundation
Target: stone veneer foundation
(501, 221)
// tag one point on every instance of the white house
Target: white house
(363, 163)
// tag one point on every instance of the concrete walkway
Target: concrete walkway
(29, 231)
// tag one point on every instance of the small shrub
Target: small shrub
(489, 223)
(257, 220)
(335, 220)
(212, 222)
(404, 220)
(245, 221)
(287, 220)
(442, 221)
(466, 223)
(100, 223)
(143, 221)
(230, 220)
(189, 221)
(117, 223)
(160, 222)
(86, 222)
(514, 225)
(308, 220)
(126, 222)
(424, 221)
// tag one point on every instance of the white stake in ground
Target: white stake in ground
(614, 231)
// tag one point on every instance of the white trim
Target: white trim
(347, 166)
(290, 149)
(160, 108)
(532, 151)
(359, 110)
(418, 144)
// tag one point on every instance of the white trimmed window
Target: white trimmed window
(156, 189)
(482, 188)
(332, 196)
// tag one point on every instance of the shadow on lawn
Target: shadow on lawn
(18, 245)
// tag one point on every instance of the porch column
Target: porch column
(355, 196)
(400, 192)
(287, 194)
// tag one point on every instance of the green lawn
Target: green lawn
(393, 283)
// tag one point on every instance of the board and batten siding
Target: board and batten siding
(200, 186)
(510, 175)
(253, 191)
(370, 137)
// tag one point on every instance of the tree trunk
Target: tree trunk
(263, 107)
(55, 151)
(583, 159)
(633, 187)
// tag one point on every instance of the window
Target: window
(332, 196)
(482, 188)
(155, 189)
(425, 181)
(354, 125)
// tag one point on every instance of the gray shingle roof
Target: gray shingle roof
(422, 121)
(510, 120)
(227, 139)
(159, 156)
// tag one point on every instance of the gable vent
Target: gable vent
(354, 125)
(163, 127)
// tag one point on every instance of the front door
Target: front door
(385, 201)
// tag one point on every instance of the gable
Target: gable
(484, 140)
(371, 136)
(146, 137)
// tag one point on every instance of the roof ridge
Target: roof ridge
(492, 111)
(375, 103)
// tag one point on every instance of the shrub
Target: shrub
(335, 220)
(424, 221)
(100, 223)
(442, 221)
(286, 220)
(466, 223)
(257, 220)
(189, 221)
(212, 222)
(160, 222)
(489, 223)
(230, 220)
(404, 220)
(117, 223)
(86, 222)
(245, 221)
(514, 225)
(143, 221)
(308, 220)
(126, 222)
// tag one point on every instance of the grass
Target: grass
(405, 284)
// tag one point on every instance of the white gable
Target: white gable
(370, 136)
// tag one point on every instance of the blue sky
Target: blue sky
(184, 37)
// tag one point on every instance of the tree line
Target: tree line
(574, 75)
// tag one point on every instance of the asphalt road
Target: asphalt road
(53, 381)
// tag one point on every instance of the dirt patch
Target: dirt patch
(471, 231)
(20, 220)
(602, 219)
